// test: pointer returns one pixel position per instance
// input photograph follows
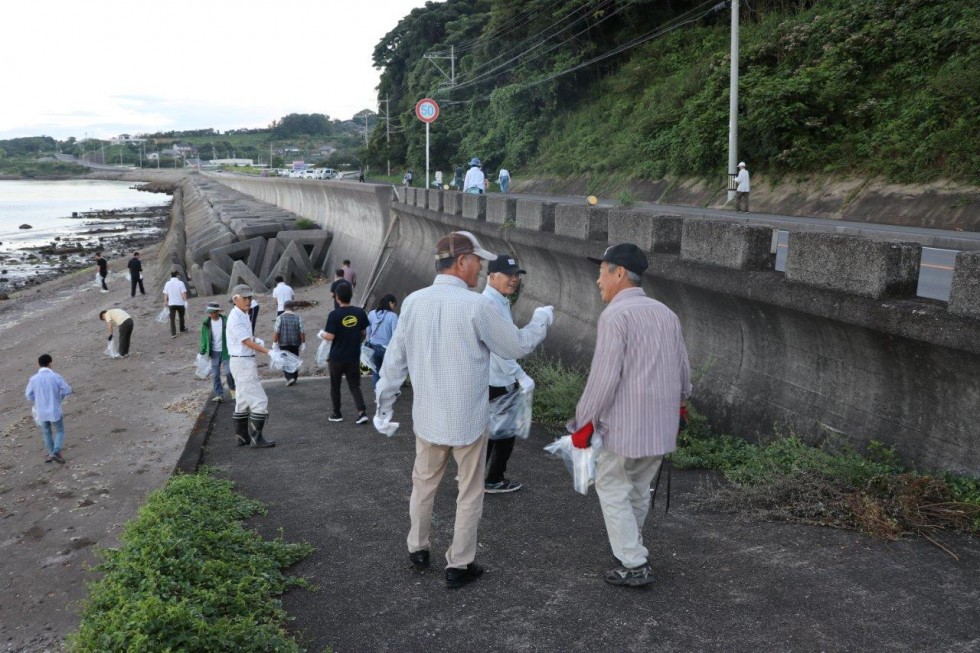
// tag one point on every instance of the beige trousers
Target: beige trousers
(623, 486)
(430, 464)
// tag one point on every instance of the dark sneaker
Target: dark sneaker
(184, 330)
(58, 459)
(631, 577)
(419, 560)
(456, 578)
(290, 381)
(502, 486)
(336, 417)
(362, 419)
(48, 459)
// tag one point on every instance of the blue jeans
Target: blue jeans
(59, 435)
(504, 184)
(378, 358)
(216, 374)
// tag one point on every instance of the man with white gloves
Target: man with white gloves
(251, 402)
(444, 339)
(503, 280)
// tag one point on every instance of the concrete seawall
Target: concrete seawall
(847, 353)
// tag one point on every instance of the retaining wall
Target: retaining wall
(849, 355)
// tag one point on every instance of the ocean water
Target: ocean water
(47, 206)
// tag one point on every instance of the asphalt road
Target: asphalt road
(722, 584)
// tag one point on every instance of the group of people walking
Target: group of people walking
(634, 399)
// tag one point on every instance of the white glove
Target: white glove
(320, 334)
(526, 383)
(259, 341)
(546, 313)
(302, 347)
(384, 425)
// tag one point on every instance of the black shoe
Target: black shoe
(630, 576)
(501, 487)
(184, 330)
(456, 578)
(362, 419)
(419, 560)
(336, 418)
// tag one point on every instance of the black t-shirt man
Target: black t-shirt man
(135, 267)
(346, 323)
(103, 265)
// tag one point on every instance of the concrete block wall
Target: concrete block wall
(535, 215)
(474, 206)
(650, 232)
(728, 245)
(582, 221)
(861, 266)
(501, 209)
(964, 296)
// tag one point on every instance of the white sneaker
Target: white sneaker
(290, 381)
(103, 291)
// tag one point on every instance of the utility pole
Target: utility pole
(733, 103)
(452, 64)
(388, 132)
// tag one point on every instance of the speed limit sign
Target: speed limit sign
(427, 110)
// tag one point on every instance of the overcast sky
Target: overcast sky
(103, 68)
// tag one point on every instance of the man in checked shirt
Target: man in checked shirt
(444, 339)
(638, 383)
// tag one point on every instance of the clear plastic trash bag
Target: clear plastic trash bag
(367, 358)
(286, 361)
(202, 366)
(323, 351)
(580, 462)
(110, 350)
(163, 315)
(510, 415)
(98, 279)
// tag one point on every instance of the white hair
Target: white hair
(635, 279)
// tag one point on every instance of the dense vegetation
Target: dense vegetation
(189, 577)
(639, 88)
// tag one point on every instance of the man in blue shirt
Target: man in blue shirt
(46, 389)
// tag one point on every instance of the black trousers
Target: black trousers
(293, 349)
(174, 312)
(353, 373)
(136, 280)
(125, 335)
(498, 451)
(102, 277)
(253, 315)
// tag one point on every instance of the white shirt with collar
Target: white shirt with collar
(175, 291)
(444, 339)
(283, 294)
(237, 329)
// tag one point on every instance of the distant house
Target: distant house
(232, 162)
(326, 150)
(126, 138)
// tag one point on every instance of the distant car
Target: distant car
(296, 174)
(328, 173)
(310, 174)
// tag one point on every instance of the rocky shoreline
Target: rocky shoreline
(116, 233)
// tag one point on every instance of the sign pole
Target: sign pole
(427, 110)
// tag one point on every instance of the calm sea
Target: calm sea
(47, 206)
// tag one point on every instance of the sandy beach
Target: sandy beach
(125, 426)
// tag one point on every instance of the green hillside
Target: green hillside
(849, 87)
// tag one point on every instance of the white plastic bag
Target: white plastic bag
(202, 366)
(323, 351)
(284, 360)
(128, 277)
(110, 350)
(510, 415)
(98, 279)
(163, 315)
(367, 358)
(580, 462)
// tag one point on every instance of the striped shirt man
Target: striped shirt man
(640, 374)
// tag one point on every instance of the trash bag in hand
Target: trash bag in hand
(163, 315)
(510, 415)
(323, 351)
(98, 279)
(580, 462)
(284, 360)
(367, 358)
(202, 366)
(110, 350)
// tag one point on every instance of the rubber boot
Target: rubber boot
(241, 428)
(256, 422)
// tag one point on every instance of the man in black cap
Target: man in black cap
(638, 383)
(506, 376)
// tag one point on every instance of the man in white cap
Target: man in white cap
(506, 375)
(444, 339)
(251, 402)
(742, 188)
